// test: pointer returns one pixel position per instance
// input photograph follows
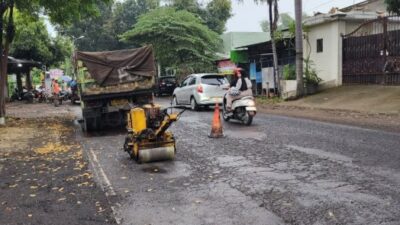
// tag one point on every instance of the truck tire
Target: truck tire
(90, 124)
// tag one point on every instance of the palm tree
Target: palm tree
(299, 47)
(273, 21)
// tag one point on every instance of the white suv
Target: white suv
(204, 89)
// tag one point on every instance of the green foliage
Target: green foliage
(289, 72)
(178, 37)
(32, 41)
(60, 12)
(310, 73)
(36, 76)
(61, 48)
(101, 32)
(215, 14)
(265, 26)
(218, 13)
(393, 6)
(284, 21)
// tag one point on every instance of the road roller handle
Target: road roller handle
(168, 120)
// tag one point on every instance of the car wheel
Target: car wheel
(193, 104)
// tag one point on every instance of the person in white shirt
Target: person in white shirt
(240, 87)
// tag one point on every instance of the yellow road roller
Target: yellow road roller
(148, 139)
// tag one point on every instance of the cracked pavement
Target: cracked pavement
(280, 170)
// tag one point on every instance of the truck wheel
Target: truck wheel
(89, 124)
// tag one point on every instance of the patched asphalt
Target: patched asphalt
(280, 170)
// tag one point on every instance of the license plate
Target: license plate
(169, 85)
(119, 102)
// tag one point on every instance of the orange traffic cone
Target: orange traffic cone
(216, 127)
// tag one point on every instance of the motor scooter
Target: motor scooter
(243, 109)
(25, 95)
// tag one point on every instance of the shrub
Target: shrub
(289, 72)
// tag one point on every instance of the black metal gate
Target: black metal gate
(371, 53)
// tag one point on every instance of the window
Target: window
(169, 80)
(192, 81)
(185, 82)
(213, 80)
(320, 45)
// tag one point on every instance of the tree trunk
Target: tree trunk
(273, 19)
(299, 48)
(4, 59)
(19, 81)
(3, 8)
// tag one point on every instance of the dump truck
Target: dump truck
(110, 83)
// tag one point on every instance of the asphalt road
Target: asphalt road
(280, 170)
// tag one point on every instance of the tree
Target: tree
(32, 40)
(284, 22)
(61, 48)
(218, 13)
(299, 48)
(273, 21)
(96, 36)
(265, 26)
(58, 13)
(125, 15)
(393, 6)
(215, 14)
(102, 32)
(179, 38)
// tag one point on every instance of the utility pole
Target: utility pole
(299, 47)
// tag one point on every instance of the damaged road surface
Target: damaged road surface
(278, 171)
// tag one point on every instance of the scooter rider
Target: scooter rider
(240, 87)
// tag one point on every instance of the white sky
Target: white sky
(247, 15)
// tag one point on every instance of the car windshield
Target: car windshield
(168, 80)
(213, 80)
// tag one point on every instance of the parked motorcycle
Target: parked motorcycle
(25, 95)
(243, 109)
(64, 96)
(40, 94)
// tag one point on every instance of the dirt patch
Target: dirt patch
(41, 110)
(45, 179)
